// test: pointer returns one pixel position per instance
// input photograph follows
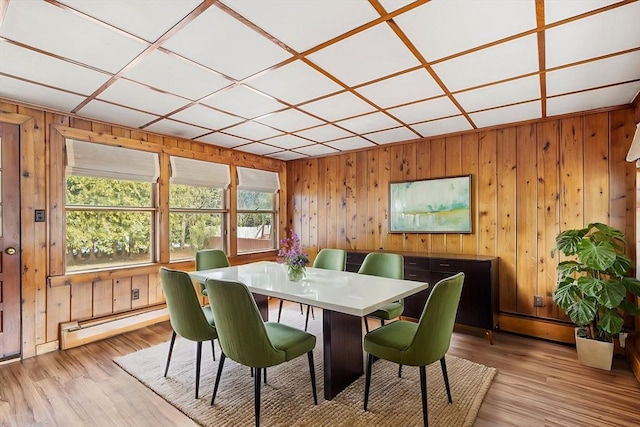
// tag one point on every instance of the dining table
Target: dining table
(344, 298)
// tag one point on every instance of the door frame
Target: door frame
(30, 295)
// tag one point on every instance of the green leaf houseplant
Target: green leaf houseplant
(593, 284)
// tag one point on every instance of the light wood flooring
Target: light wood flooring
(538, 383)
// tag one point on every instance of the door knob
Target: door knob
(10, 251)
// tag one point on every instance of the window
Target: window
(256, 209)
(197, 206)
(110, 208)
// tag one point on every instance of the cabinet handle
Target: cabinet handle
(444, 265)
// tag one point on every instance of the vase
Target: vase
(296, 274)
(597, 354)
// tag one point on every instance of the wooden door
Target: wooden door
(9, 241)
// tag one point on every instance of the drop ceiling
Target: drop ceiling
(290, 79)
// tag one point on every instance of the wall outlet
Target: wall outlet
(538, 301)
(135, 293)
(623, 339)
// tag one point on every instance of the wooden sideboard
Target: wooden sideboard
(479, 301)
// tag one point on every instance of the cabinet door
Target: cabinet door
(354, 261)
(416, 269)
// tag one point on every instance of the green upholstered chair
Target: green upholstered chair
(384, 265)
(206, 259)
(328, 259)
(188, 319)
(422, 343)
(245, 338)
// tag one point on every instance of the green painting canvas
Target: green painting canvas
(431, 206)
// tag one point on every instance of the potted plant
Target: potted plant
(592, 288)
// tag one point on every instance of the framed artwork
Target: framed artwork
(440, 205)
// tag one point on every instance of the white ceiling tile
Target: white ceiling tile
(589, 100)
(304, 24)
(616, 69)
(324, 133)
(15, 60)
(392, 135)
(206, 117)
(370, 54)
(294, 83)
(597, 35)
(499, 62)
(316, 150)
(511, 114)
(252, 130)
(557, 10)
(244, 102)
(135, 95)
(287, 155)
(441, 28)
(289, 120)
(181, 130)
(287, 141)
(426, 110)
(115, 114)
(402, 89)
(257, 148)
(442, 126)
(135, 16)
(194, 82)
(391, 5)
(38, 95)
(338, 107)
(352, 143)
(369, 123)
(519, 90)
(223, 140)
(92, 43)
(231, 47)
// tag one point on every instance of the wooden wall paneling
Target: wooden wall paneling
(469, 166)
(486, 203)
(312, 195)
(81, 300)
(170, 142)
(294, 198)
(303, 181)
(373, 188)
(58, 310)
(384, 176)
(162, 225)
(341, 199)
(526, 219)
(121, 294)
(56, 205)
(361, 195)
(283, 210)
(141, 283)
(453, 167)
(548, 214)
(409, 152)
(506, 237)
(102, 297)
(437, 165)
(122, 132)
(596, 168)
(7, 107)
(156, 296)
(332, 200)
(101, 128)
(322, 203)
(571, 173)
(423, 170)
(397, 172)
(351, 211)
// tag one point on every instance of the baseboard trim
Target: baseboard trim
(538, 328)
(73, 334)
(633, 355)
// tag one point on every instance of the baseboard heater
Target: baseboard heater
(74, 334)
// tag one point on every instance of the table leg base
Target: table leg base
(343, 354)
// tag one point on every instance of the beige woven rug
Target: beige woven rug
(287, 399)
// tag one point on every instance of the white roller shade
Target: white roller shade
(199, 173)
(257, 180)
(107, 161)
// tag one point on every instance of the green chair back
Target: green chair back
(433, 336)
(185, 313)
(241, 331)
(383, 265)
(207, 259)
(331, 259)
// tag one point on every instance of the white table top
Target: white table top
(340, 291)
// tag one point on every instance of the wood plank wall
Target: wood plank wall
(529, 182)
(49, 296)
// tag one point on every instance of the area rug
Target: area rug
(287, 399)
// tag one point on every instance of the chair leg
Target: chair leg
(366, 324)
(173, 341)
(443, 365)
(306, 322)
(313, 316)
(312, 371)
(381, 322)
(280, 310)
(264, 370)
(423, 389)
(213, 350)
(257, 395)
(198, 360)
(399, 371)
(367, 380)
(218, 375)
(301, 312)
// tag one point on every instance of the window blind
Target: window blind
(257, 180)
(199, 173)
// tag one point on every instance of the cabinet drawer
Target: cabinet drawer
(416, 264)
(448, 265)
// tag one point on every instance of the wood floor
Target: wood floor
(538, 384)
